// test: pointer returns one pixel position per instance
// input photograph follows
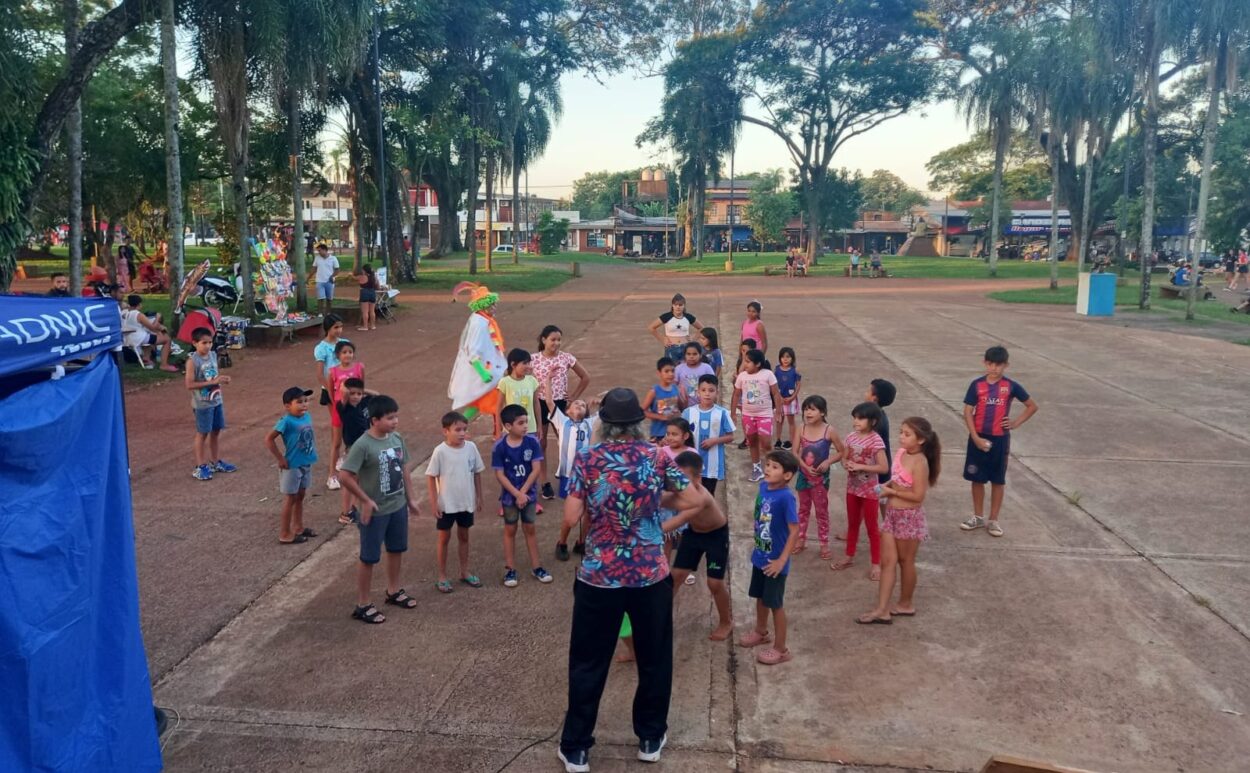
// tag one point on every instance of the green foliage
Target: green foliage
(596, 193)
(885, 190)
(770, 208)
(551, 233)
(1230, 205)
(966, 170)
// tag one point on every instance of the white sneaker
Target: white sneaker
(975, 522)
(994, 529)
(339, 464)
(333, 484)
(757, 473)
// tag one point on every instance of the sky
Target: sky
(601, 122)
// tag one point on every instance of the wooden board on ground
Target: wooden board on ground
(1003, 764)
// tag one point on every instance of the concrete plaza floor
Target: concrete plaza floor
(1108, 629)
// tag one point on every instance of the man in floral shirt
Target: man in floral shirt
(619, 483)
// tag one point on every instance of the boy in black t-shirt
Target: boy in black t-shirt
(354, 411)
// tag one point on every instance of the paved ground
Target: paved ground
(1108, 630)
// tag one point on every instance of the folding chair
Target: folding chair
(386, 295)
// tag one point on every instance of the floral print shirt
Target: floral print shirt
(621, 483)
(557, 368)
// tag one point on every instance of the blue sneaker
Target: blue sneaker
(542, 575)
(509, 578)
(223, 466)
(203, 472)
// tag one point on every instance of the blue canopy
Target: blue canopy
(37, 331)
(76, 693)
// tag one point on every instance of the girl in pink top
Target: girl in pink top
(916, 468)
(550, 366)
(753, 328)
(864, 460)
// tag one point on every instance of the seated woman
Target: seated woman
(141, 333)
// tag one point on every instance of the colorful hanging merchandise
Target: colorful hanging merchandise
(273, 282)
(480, 359)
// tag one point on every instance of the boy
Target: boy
(295, 464)
(327, 268)
(776, 516)
(513, 461)
(353, 412)
(708, 534)
(987, 415)
(711, 428)
(689, 372)
(376, 471)
(573, 431)
(454, 477)
(205, 383)
(663, 400)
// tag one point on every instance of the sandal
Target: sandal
(825, 553)
(444, 586)
(754, 638)
(369, 614)
(308, 533)
(345, 518)
(801, 547)
(773, 656)
(472, 581)
(296, 540)
(870, 620)
(874, 574)
(401, 599)
(842, 563)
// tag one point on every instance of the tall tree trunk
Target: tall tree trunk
(488, 242)
(516, 208)
(700, 214)
(297, 199)
(813, 216)
(73, 131)
(1083, 237)
(173, 153)
(1054, 214)
(470, 207)
(1209, 136)
(235, 121)
(1150, 128)
(1001, 138)
(416, 218)
(358, 223)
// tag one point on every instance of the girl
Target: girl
(864, 460)
(788, 385)
(743, 348)
(756, 397)
(368, 297)
(518, 387)
(676, 324)
(348, 367)
(324, 354)
(709, 339)
(753, 328)
(551, 367)
(819, 449)
(678, 437)
(916, 467)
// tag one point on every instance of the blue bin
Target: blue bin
(1101, 295)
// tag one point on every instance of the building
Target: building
(502, 211)
(879, 230)
(625, 234)
(327, 214)
(725, 203)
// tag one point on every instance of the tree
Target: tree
(73, 131)
(551, 233)
(540, 110)
(966, 171)
(769, 209)
(173, 153)
(824, 73)
(887, 191)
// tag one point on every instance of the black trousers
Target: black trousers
(597, 615)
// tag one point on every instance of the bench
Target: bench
(781, 270)
(1178, 292)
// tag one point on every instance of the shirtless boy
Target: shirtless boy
(708, 534)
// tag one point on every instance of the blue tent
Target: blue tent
(75, 692)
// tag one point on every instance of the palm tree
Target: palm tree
(991, 101)
(173, 155)
(73, 132)
(336, 169)
(539, 111)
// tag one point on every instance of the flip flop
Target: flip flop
(773, 656)
(169, 369)
(472, 581)
(444, 586)
(308, 533)
(901, 614)
(866, 620)
(296, 540)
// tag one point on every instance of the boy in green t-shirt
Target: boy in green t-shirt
(376, 472)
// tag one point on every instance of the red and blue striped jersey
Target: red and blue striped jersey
(992, 404)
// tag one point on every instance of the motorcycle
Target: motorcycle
(216, 291)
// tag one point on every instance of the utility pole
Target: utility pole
(730, 209)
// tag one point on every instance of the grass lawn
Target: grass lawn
(533, 274)
(909, 267)
(1126, 299)
(58, 259)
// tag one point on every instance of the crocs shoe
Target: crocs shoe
(772, 656)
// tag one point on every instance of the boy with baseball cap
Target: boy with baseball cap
(294, 463)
